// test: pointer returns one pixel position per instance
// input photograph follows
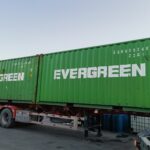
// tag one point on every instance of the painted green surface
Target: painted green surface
(116, 91)
(12, 88)
(128, 92)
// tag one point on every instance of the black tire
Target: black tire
(6, 118)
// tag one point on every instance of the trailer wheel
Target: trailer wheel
(6, 118)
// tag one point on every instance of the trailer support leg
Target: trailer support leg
(98, 121)
(86, 133)
(86, 123)
(99, 133)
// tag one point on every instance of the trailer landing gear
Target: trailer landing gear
(92, 123)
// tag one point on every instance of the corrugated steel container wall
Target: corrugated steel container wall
(18, 79)
(116, 91)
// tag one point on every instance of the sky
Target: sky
(30, 27)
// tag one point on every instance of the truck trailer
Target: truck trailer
(71, 89)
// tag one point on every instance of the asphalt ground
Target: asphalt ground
(34, 137)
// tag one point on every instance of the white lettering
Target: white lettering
(102, 71)
(92, 72)
(82, 72)
(125, 70)
(65, 73)
(56, 74)
(12, 77)
(21, 76)
(113, 71)
(15, 77)
(73, 73)
(1, 77)
(141, 71)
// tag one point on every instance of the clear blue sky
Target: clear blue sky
(29, 27)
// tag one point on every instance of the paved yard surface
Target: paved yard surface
(32, 137)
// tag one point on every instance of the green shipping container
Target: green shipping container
(109, 75)
(18, 79)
